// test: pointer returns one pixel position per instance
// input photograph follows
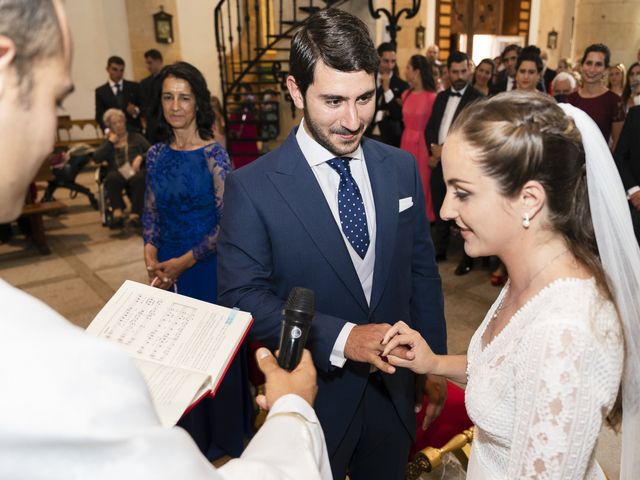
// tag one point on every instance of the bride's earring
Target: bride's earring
(525, 221)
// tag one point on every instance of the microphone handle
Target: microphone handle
(292, 341)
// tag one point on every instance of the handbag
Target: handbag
(126, 170)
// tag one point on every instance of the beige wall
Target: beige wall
(139, 19)
(557, 16)
(615, 23)
(99, 30)
(198, 46)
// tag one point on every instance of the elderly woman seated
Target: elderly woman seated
(124, 152)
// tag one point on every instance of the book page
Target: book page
(174, 331)
(172, 389)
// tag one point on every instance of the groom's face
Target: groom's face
(338, 107)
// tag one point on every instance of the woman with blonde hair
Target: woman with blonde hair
(534, 183)
(615, 79)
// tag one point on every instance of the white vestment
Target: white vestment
(73, 406)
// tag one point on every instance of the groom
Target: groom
(343, 216)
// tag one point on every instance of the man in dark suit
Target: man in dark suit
(548, 74)
(345, 217)
(387, 123)
(119, 93)
(506, 80)
(150, 93)
(449, 103)
(627, 157)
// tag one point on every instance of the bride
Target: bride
(534, 183)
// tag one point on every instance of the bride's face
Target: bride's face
(488, 221)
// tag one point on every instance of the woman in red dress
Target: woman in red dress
(417, 103)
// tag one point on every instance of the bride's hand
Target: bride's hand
(420, 357)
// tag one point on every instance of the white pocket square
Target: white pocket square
(405, 203)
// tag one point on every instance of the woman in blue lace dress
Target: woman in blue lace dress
(183, 205)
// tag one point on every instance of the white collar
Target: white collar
(461, 92)
(315, 153)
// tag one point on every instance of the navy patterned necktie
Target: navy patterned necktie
(353, 218)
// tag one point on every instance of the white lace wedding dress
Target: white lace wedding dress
(539, 392)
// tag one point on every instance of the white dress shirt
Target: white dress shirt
(388, 96)
(447, 118)
(329, 181)
(114, 86)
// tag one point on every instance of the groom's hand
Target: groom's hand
(364, 345)
(435, 387)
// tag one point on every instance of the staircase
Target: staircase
(253, 40)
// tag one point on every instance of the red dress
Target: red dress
(416, 110)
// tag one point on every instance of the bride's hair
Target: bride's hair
(521, 136)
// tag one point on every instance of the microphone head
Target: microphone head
(301, 300)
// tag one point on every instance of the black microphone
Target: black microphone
(296, 322)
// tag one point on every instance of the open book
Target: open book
(182, 346)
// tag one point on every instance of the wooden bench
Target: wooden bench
(66, 125)
(34, 212)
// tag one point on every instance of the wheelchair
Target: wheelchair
(107, 212)
(104, 206)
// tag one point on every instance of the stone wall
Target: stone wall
(615, 23)
(139, 20)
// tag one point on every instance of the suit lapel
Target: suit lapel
(297, 184)
(384, 186)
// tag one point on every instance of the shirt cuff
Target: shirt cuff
(292, 403)
(632, 190)
(337, 358)
(388, 96)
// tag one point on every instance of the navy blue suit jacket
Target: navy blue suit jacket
(277, 232)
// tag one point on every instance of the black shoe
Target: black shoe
(135, 222)
(116, 223)
(464, 267)
(441, 257)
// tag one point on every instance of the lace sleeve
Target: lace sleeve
(150, 214)
(564, 384)
(219, 165)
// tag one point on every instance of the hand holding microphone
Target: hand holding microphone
(297, 314)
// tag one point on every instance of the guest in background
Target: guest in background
(387, 120)
(615, 78)
(435, 73)
(119, 93)
(417, 103)
(446, 108)
(506, 78)
(564, 65)
(627, 157)
(547, 74)
(604, 106)
(150, 93)
(432, 54)
(482, 79)
(219, 132)
(444, 77)
(124, 152)
(563, 84)
(633, 79)
(183, 206)
(528, 70)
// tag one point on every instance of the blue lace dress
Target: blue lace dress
(183, 205)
